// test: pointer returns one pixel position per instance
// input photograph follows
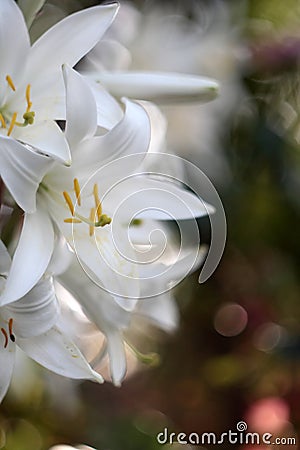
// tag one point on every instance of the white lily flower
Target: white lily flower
(31, 323)
(79, 214)
(130, 135)
(87, 152)
(32, 94)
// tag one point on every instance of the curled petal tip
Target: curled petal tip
(160, 87)
(97, 377)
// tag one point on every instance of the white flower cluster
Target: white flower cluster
(80, 197)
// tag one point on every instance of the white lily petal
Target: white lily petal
(55, 351)
(14, 42)
(48, 138)
(117, 355)
(31, 257)
(158, 127)
(62, 447)
(79, 125)
(158, 87)
(5, 259)
(48, 16)
(67, 42)
(106, 266)
(162, 311)
(30, 8)
(109, 111)
(7, 358)
(36, 312)
(84, 447)
(68, 447)
(99, 257)
(22, 170)
(130, 136)
(160, 277)
(51, 103)
(149, 198)
(61, 257)
(98, 305)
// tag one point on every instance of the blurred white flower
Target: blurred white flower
(32, 323)
(163, 39)
(68, 447)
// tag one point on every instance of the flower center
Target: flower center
(8, 335)
(96, 217)
(8, 120)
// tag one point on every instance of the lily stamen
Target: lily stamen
(77, 191)
(10, 83)
(27, 95)
(72, 220)
(69, 202)
(92, 218)
(3, 123)
(5, 336)
(10, 330)
(28, 116)
(97, 201)
(102, 219)
(12, 123)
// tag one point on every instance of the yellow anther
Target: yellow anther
(92, 219)
(96, 218)
(12, 123)
(69, 202)
(77, 191)
(29, 103)
(5, 337)
(10, 325)
(10, 330)
(10, 82)
(72, 220)
(2, 121)
(97, 201)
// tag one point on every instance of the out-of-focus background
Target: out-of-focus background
(236, 354)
